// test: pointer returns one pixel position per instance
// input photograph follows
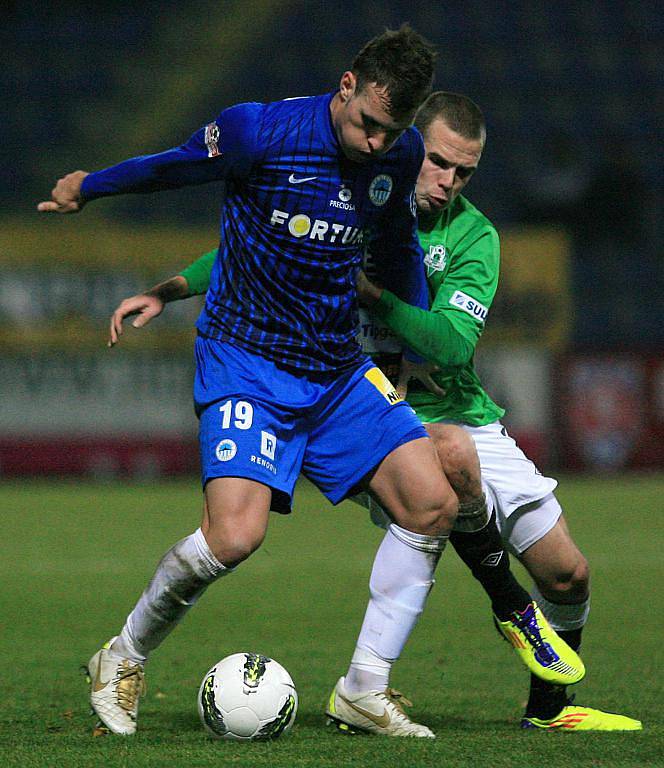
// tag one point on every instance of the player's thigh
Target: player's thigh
(555, 562)
(410, 484)
(458, 457)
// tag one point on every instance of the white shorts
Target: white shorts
(522, 496)
(526, 509)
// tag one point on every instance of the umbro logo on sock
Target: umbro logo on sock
(493, 559)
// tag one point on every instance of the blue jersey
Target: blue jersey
(295, 221)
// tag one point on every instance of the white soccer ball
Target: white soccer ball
(247, 697)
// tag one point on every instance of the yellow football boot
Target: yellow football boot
(573, 718)
(537, 645)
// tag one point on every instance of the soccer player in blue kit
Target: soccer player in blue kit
(281, 384)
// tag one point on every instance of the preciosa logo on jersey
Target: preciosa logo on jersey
(226, 450)
(465, 302)
(212, 134)
(300, 225)
(345, 196)
(436, 259)
(380, 189)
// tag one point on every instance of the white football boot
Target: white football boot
(374, 712)
(116, 684)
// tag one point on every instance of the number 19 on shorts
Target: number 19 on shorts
(240, 415)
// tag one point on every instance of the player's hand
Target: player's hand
(144, 305)
(66, 195)
(368, 293)
(420, 371)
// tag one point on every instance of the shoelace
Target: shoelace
(399, 701)
(527, 622)
(130, 684)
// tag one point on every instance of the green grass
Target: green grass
(74, 557)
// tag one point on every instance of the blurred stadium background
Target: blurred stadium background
(572, 175)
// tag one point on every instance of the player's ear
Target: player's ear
(347, 86)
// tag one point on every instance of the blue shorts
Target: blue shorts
(266, 423)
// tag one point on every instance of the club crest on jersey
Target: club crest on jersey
(380, 189)
(436, 259)
(212, 134)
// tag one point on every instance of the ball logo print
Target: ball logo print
(226, 450)
(247, 697)
(345, 195)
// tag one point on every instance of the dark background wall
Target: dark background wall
(572, 92)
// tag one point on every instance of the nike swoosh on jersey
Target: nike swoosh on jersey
(294, 180)
(382, 721)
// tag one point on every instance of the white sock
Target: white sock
(182, 576)
(562, 616)
(401, 580)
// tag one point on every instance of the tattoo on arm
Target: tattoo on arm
(174, 289)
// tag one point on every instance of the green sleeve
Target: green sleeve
(467, 292)
(197, 274)
(429, 334)
(448, 334)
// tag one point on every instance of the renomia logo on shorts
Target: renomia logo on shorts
(226, 450)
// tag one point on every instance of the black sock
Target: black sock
(483, 552)
(547, 700)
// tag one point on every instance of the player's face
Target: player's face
(449, 161)
(364, 126)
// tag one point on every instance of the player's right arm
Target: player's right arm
(225, 148)
(446, 335)
(192, 281)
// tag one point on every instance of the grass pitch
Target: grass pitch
(75, 556)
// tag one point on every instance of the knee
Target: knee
(458, 457)
(231, 547)
(437, 514)
(568, 584)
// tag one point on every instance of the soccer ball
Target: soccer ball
(247, 697)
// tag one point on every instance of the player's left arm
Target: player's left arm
(448, 333)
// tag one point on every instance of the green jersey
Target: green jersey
(461, 257)
(462, 260)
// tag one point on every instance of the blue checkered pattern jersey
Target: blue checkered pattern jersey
(296, 218)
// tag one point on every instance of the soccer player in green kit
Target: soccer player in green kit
(461, 253)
